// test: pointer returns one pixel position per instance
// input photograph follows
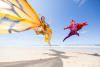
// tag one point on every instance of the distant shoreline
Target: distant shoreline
(83, 48)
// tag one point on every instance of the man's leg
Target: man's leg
(77, 34)
(67, 36)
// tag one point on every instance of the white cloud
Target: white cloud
(80, 2)
(76, 1)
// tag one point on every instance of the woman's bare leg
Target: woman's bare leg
(37, 32)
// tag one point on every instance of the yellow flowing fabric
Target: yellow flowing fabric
(17, 16)
(47, 35)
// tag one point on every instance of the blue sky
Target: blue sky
(58, 14)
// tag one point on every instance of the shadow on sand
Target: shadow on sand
(94, 54)
(50, 62)
(59, 54)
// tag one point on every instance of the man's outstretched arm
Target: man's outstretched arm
(67, 27)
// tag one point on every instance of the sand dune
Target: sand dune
(48, 57)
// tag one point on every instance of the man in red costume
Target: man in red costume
(74, 28)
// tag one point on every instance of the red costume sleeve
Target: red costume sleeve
(81, 25)
(67, 27)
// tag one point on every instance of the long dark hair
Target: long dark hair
(43, 19)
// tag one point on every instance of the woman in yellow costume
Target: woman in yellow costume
(44, 30)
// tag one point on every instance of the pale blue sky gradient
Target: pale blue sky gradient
(59, 13)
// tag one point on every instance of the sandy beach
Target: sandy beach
(48, 57)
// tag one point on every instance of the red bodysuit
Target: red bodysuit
(74, 28)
